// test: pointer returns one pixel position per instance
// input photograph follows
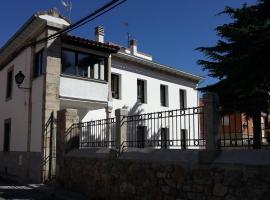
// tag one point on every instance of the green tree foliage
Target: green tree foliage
(241, 59)
(241, 62)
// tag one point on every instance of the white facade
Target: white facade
(52, 90)
(129, 74)
(91, 97)
(16, 107)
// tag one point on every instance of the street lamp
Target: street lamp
(19, 78)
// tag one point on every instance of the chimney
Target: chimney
(54, 12)
(99, 32)
(133, 46)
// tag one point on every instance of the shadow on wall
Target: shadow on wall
(150, 137)
(94, 133)
(136, 109)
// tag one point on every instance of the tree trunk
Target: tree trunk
(257, 129)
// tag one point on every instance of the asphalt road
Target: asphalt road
(10, 190)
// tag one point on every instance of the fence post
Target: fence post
(65, 118)
(121, 126)
(211, 120)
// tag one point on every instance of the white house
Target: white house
(72, 72)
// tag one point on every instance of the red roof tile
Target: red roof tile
(90, 43)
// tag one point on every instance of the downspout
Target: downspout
(43, 109)
(29, 134)
(109, 64)
(109, 106)
(198, 95)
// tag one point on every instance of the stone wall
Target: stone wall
(105, 178)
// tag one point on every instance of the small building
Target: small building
(67, 71)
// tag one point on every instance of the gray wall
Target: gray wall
(14, 165)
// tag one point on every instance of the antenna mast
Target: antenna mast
(128, 33)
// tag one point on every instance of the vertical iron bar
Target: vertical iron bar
(50, 147)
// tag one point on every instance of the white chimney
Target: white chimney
(99, 32)
(133, 46)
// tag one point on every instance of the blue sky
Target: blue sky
(170, 30)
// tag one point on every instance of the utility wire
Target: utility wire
(97, 13)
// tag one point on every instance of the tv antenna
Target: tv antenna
(68, 6)
(128, 33)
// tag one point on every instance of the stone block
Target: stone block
(161, 174)
(165, 189)
(220, 190)
(230, 197)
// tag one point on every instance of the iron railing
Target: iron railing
(236, 130)
(167, 129)
(174, 129)
(49, 150)
(98, 133)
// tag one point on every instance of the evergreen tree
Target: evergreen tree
(241, 62)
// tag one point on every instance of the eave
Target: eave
(89, 44)
(159, 67)
(18, 41)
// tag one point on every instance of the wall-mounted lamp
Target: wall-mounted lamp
(19, 78)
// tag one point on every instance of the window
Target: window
(115, 86)
(83, 64)
(7, 131)
(163, 95)
(141, 91)
(68, 62)
(39, 63)
(183, 138)
(183, 99)
(141, 134)
(226, 120)
(165, 138)
(9, 84)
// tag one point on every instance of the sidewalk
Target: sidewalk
(12, 190)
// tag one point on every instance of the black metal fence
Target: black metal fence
(236, 131)
(98, 133)
(173, 129)
(49, 150)
(167, 129)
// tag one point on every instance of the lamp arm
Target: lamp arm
(24, 88)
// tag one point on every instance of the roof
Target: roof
(28, 31)
(54, 12)
(163, 68)
(154, 65)
(75, 40)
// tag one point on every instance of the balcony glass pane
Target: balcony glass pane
(83, 64)
(68, 62)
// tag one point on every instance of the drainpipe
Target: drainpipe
(29, 133)
(109, 106)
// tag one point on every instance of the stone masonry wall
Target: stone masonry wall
(133, 179)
